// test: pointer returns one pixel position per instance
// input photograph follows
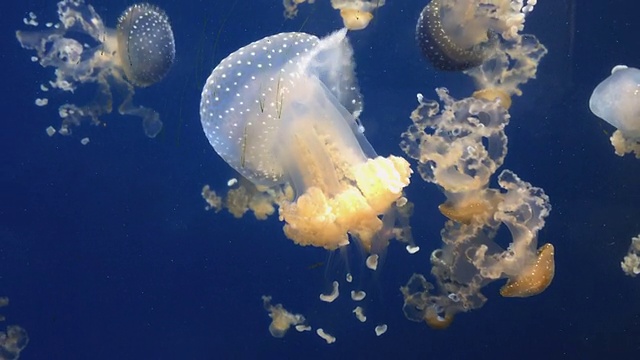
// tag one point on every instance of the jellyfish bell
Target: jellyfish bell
(448, 38)
(145, 44)
(457, 35)
(615, 100)
(138, 53)
(284, 110)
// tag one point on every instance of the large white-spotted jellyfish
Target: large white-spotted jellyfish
(138, 53)
(616, 100)
(284, 110)
(460, 144)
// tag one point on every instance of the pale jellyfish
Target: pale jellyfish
(284, 110)
(631, 262)
(138, 53)
(281, 319)
(356, 14)
(616, 100)
(484, 40)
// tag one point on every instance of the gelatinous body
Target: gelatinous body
(631, 262)
(12, 340)
(281, 319)
(356, 14)
(439, 47)
(616, 100)
(284, 110)
(138, 53)
(145, 43)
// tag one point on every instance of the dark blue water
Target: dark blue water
(106, 250)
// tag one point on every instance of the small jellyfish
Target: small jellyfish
(447, 39)
(356, 14)
(631, 262)
(138, 53)
(615, 100)
(281, 319)
(284, 110)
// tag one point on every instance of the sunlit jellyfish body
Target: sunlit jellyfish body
(616, 100)
(283, 110)
(83, 51)
(145, 44)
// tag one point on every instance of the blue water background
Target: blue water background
(106, 251)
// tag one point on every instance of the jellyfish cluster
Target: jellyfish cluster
(460, 144)
(138, 53)
(284, 112)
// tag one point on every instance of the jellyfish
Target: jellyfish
(615, 100)
(82, 50)
(484, 41)
(447, 47)
(12, 340)
(356, 14)
(291, 7)
(243, 196)
(284, 111)
(631, 262)
(281, 319)
(459, 148)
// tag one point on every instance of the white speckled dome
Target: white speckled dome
(253, 94)
(145, 43)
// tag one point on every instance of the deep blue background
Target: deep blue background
(106, 250)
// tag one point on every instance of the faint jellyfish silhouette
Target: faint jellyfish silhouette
(138, 53)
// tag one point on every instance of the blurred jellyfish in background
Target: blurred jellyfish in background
(482, 38)
(631, 262)
(616, 100)
(13, 340)
(82, 50)
(460, 144)
(283, 111)
(356, 14)
(282, 320)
